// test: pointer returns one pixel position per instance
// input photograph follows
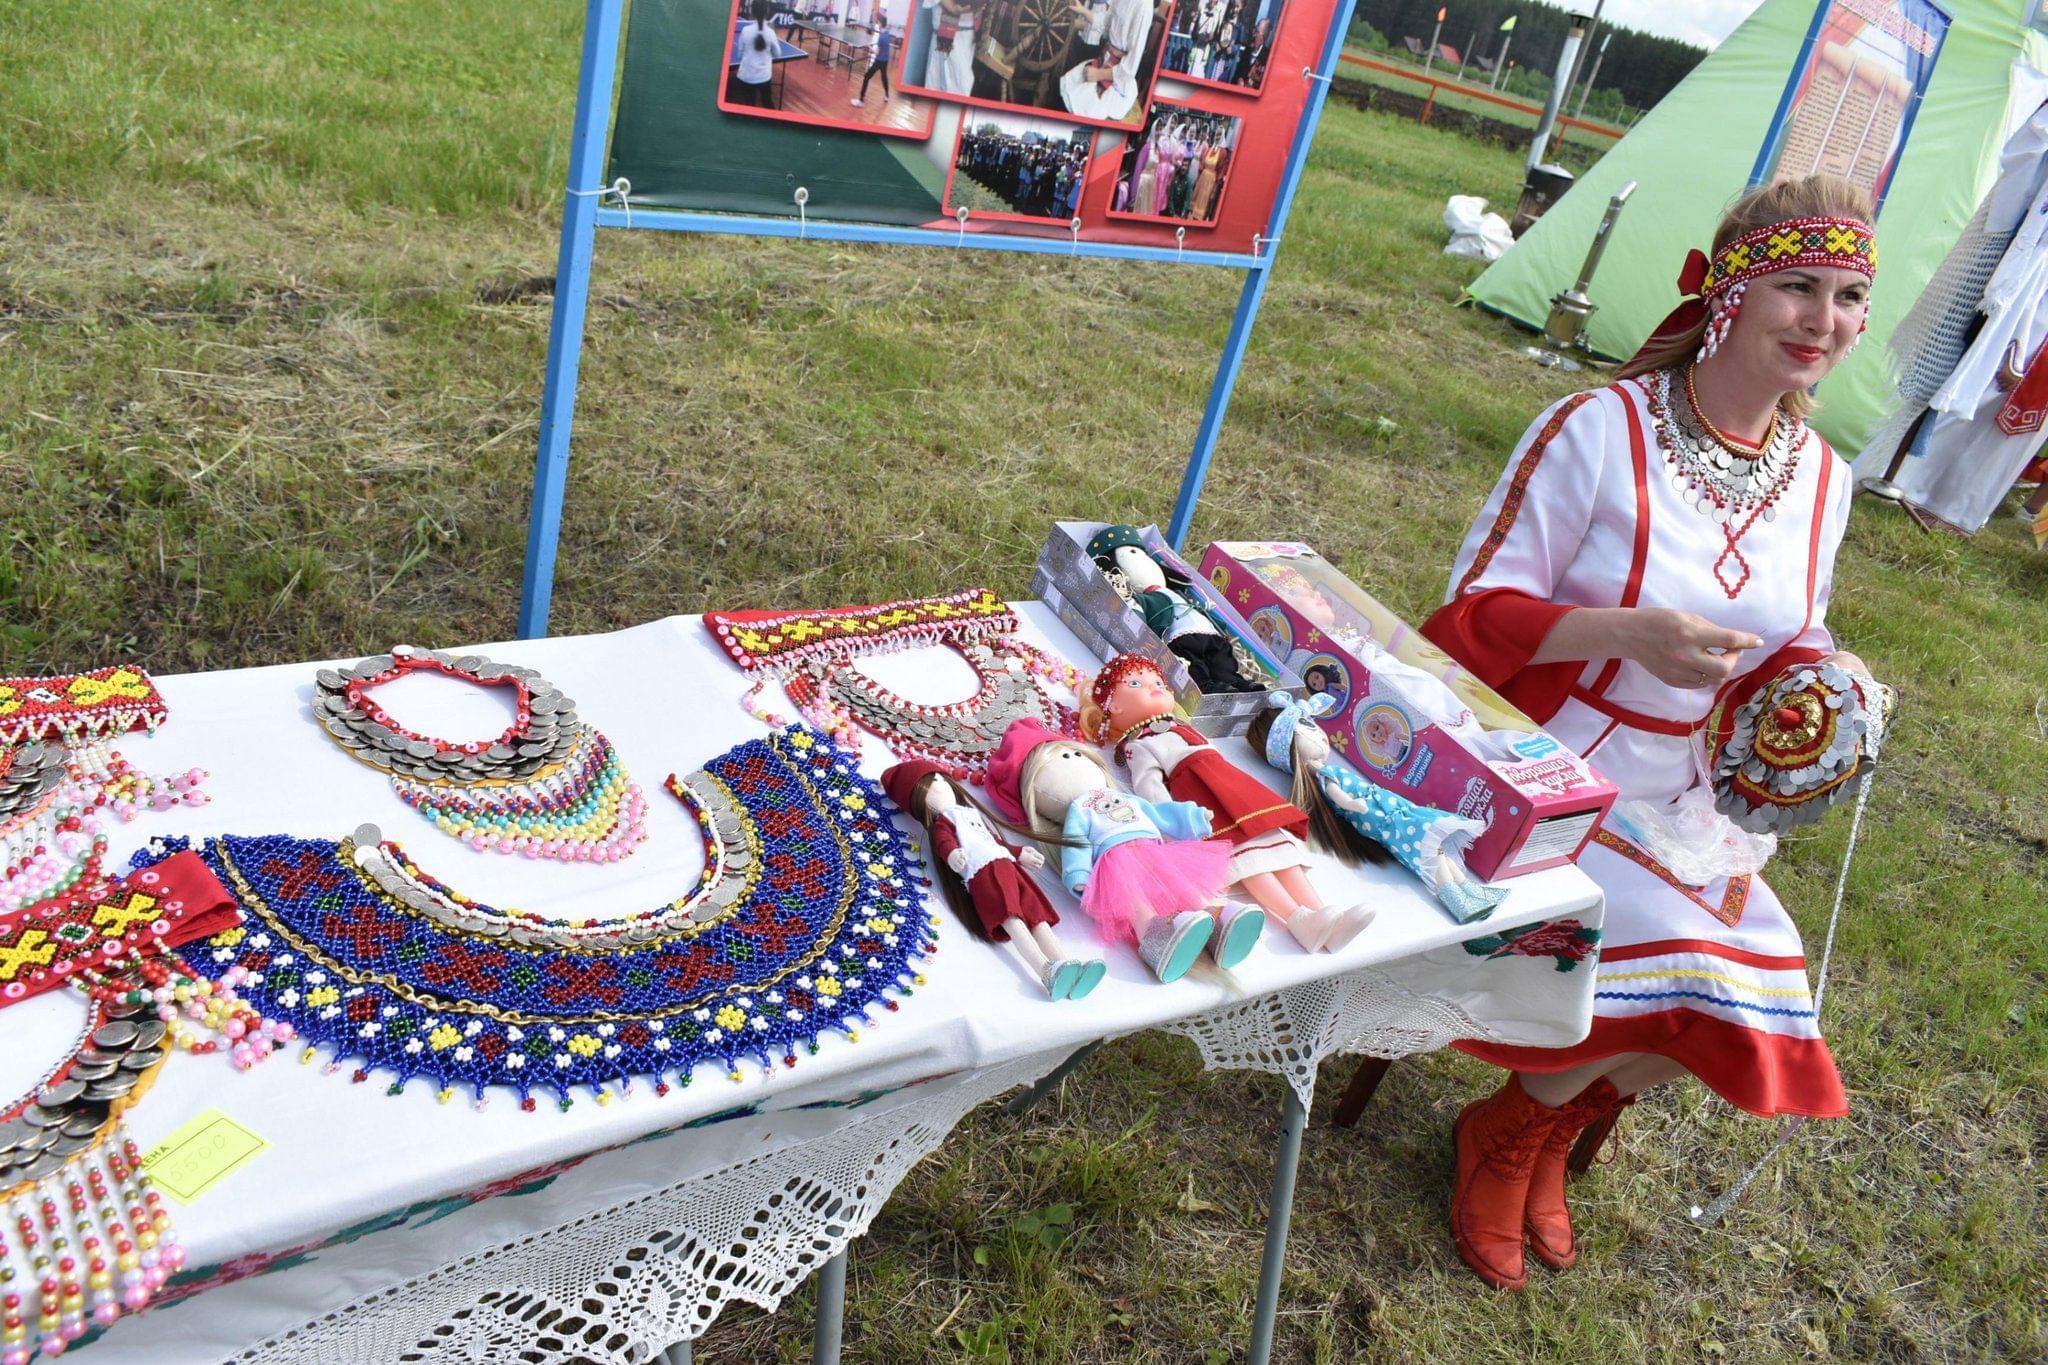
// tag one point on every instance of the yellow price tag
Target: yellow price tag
(200, 1155)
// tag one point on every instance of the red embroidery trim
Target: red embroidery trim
(1518, 488)
(1733, 900)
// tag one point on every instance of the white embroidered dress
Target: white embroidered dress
(1588, 514)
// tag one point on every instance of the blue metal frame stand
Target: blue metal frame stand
(582, 215)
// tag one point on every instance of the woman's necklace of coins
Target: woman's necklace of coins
(85, 1235)
(548, 787)
(1717, 478)
(959, 736)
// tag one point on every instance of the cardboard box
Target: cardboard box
(1069, 582)
(1416, 723)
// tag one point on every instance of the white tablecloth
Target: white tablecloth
(364, 1223)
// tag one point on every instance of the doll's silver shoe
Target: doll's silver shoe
(1170, 946)
(1059, 977)
(1237, 932)
(1090, 976)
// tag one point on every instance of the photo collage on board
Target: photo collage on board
(1021, 98)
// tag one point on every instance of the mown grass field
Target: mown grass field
(268, 390)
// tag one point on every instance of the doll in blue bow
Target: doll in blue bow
(1362, 822)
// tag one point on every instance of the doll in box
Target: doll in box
(1129, 708)
(1362, 822)
(987, 880)
(1174, 612)
(1439, 702)
(1147, 873)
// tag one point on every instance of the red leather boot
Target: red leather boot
(1549, 1222)
(1499, 1139)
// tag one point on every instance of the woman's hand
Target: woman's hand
(1683, 650)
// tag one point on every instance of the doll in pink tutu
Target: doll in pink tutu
(1146, 872)
(1130, 708)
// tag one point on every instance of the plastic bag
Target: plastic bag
(1475, 233)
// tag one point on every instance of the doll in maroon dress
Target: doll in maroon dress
(988, 881)
(1130, 709)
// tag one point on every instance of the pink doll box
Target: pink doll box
(1068, 581)
(1466, 750)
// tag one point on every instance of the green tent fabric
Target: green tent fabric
(681, 151)
(1694, 152)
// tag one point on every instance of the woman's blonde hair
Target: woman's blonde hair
(1816, 196)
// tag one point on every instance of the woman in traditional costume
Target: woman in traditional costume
(1652, 547)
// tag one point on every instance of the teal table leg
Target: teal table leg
(831, 1311)
(1292, 1120)
(678, 1354)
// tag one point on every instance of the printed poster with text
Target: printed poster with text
(1851, 100)
(1159, 123)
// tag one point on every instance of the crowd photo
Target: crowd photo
(1178, 169)
(1091, 62)
(1007, 165)
(1222, 42)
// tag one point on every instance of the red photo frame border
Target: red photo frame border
(925, 102)
(1215, 218)
(1248, 92)
(1065, 224)
(1143, 105)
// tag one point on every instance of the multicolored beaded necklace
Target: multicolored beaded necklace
(85, 1235)
(83, 712)
(550, 786)
(809, 914)
(813, 653)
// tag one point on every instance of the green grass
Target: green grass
(268, 391)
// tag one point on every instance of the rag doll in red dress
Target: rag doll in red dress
(987, 880)
(1130, 709)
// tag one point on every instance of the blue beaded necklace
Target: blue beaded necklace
(811, 914)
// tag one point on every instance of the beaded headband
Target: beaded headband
(1280, 739)
(1845, 243)
(106, 701)
(1114, 672)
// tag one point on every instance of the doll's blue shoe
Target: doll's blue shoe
(1237, 932)
(1091, 974)
(1060, 978)
(1170, 947)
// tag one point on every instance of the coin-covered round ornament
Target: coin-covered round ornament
(1796, 745)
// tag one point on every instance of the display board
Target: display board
(1028, 113)
(1850, 102)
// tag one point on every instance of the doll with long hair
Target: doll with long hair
(1146, 872)
(1130, 709)
(987, 880)
(1362, 822)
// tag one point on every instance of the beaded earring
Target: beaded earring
(1722, 322)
